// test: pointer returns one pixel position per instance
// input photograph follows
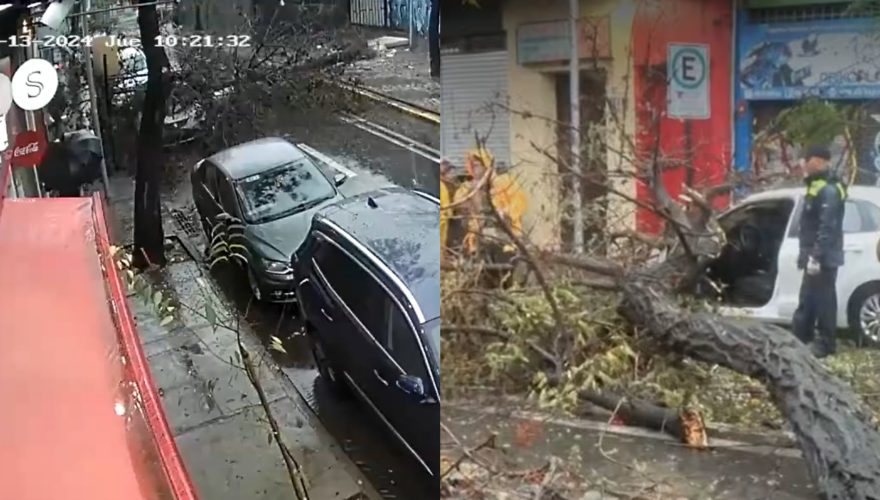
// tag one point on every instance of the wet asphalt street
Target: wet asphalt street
(372, 162)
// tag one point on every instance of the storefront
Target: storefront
(682, 54)
(543, 50)
(789, 54)
(473, 83)
(539, 37)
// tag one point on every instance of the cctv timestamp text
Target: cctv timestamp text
(207, 41)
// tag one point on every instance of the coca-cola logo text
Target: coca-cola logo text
(26, 150)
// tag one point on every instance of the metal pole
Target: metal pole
(30, 118)
(411, 39)
(31, 124)
(93, 96)
(574, 101)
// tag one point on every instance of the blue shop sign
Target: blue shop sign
(831, 59)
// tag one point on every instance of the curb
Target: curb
(720, 437)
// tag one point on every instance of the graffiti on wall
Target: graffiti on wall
(836, 59)
(400, 9)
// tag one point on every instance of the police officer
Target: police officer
(821, 252)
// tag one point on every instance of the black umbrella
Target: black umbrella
(72, 162)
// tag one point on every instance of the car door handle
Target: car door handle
(379, 377)
(327, 315)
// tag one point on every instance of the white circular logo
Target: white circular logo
(34, 84)
(5, 94)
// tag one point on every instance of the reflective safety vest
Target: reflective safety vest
(816, 186)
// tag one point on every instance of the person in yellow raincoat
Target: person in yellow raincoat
(445, 201)
(506, 195)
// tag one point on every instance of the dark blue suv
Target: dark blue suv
(368, 286)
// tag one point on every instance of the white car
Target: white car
(758, 270)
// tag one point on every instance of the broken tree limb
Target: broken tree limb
(840, 444)
(684, 424)
(636, 412)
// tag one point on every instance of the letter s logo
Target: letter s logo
(33, 84)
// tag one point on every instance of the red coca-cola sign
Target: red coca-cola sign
(29, 150)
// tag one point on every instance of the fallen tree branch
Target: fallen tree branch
(501, 335)
(636, 412)
(294, 470)
(489, 443)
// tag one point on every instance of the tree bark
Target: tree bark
(434, 38)
(149, 237)
(840, 443)
(836, 433)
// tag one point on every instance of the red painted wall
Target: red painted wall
(657, 24)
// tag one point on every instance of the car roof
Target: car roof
(859, 192)
(401, 228)
(256, 156)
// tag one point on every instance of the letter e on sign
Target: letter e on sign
(688, 91)
(30, 148)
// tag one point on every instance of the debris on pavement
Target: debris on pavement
(397, 72)
(219, 422)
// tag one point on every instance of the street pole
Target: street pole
(411, 10)
(29, 116)
(93, 96)
(574, 101)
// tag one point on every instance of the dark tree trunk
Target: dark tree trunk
(841, 445)
(834, 430)
(149, 238)
(434, 38)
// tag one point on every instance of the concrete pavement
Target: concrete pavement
(219, 425)
(398, 72)
(624, 456)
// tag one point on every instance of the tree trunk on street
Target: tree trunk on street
(149, 238)
(434, 38)
(834, 430)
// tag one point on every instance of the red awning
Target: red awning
(80, 417)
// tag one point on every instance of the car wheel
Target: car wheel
(255, 286)
(864, 314)
(328, 371)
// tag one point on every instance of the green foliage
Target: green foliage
(607, 356)
(813, 122)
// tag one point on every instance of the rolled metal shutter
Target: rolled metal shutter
(472, 87)
(368, 13)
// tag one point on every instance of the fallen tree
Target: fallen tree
(833, 428)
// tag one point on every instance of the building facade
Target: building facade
(790, 51)
(506, 80)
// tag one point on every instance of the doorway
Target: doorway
(594, 164)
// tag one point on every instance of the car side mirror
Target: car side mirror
(339, 179)
(411, 385)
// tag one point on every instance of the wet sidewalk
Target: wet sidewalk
(623, 458)
(219, 424)
(398, 72)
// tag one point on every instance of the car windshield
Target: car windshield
(283, 191)
(432, 332)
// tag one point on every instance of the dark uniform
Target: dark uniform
(821, 238)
